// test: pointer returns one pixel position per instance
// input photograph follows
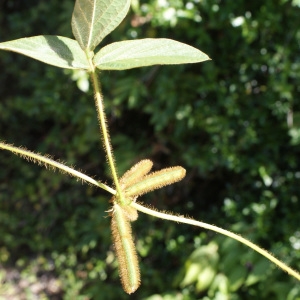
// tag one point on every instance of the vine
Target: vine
(92, 20)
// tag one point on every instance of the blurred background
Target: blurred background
(232, 122)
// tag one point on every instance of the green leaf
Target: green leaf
(93, 20)
(53, 50)
(146, 52)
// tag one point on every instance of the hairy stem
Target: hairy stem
(103, 126)
(48, 162)
(242, 240)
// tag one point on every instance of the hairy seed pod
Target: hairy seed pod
(155, 181)
(125, 250)
(136, 173)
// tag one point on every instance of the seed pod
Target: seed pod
(136, 173)
(155, 181)
(125, 250)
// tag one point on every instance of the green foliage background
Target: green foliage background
(233, 123)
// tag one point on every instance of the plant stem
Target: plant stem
(240, 239)
(48, 162)
(103, 126)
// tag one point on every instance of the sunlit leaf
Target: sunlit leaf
(93, 20)
(53, 50)
(146, 52)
